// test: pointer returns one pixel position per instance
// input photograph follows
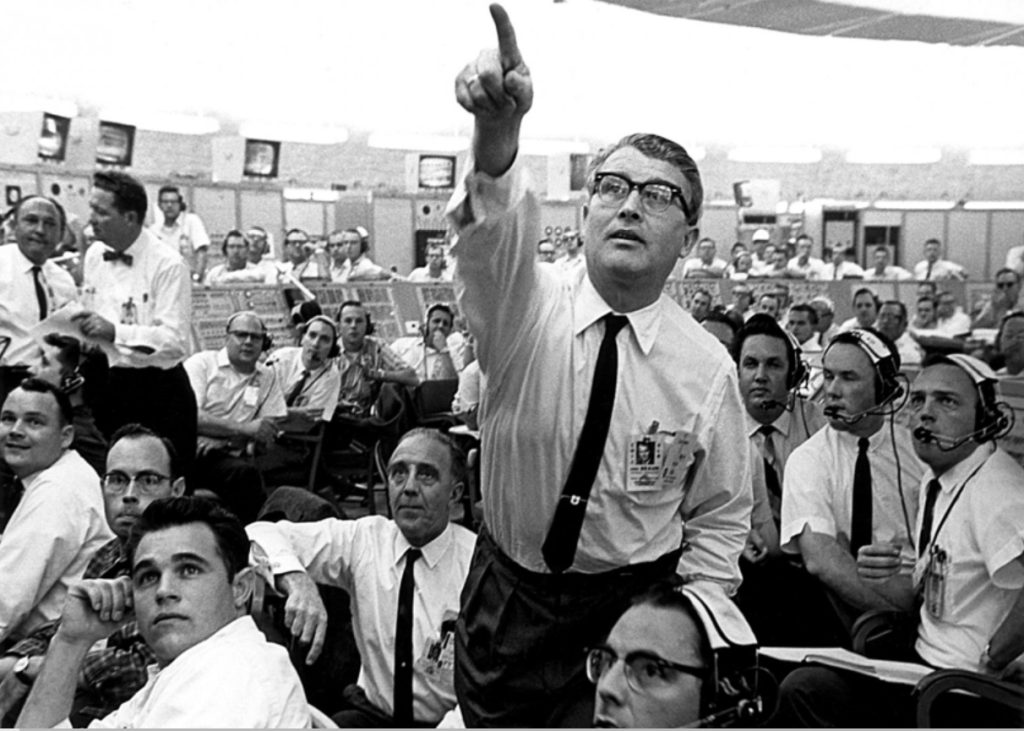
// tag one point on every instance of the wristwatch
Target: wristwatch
(21, 670)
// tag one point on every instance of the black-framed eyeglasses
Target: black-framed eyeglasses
(655, 196)
(645, 671)
(244, 335)
(1005, 285)
(146, 483)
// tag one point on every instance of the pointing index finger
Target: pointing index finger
(507, 47)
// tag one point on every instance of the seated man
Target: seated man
(843, 265)
(705, 265)
(970, 564)
(826, 311)
(803, 265)
(428, 353)
(1010, 344)
(189, 588)
(933, 267)
(951, 320)
(882, 270)
(80, 371)
(680, 648)
(307, 372)
(407, 654)
(359, 267)
(58, 524)
(239, 401)
(1004, 299)
(365, 362)
(865, 310)
(852, 483)
(237, 269)
(700, 305)
(892, 323)
(436, 269)
(773, 593)
(141, 467)
(768, 304)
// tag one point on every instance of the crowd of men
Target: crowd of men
(661, 488)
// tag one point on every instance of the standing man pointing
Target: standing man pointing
(575, 523)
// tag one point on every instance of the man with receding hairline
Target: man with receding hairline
(59, 521)
(585, 368)
(182, 231)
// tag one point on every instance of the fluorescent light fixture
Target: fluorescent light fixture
(311, 134)
(554, 147)
(418, 142)
(833, 203)
(179, 124)
(723, 203)
(915, 205)
(993, 156)
(994, 206)
(893, 155)
(319, 195)
(798, 155)
(29, 103)
(782, 207)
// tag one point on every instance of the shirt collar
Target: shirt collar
(782, 425)
(959, 473)
(26, 263)
(433, 552)
(591, 307)
(224, 362)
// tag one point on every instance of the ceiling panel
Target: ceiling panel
(815, 17)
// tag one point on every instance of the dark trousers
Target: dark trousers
(159, 399)
(360, 713)
(521, 637)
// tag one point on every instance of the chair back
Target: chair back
(435, 397)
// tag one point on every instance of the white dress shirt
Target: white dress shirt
(233, 679)
(249, 274)
(696, 267)
(983, 538)
(362, 270)
(321, 389)
(19, 308)
(847, 269)
(425, 359)
(55, 530)
(817, 490)
(223, 392)
(366, 557)
(538, 336)
(889, 274)
(941, 269)
(188, 233)
(813, 270)
(149, 302)
(422, 274)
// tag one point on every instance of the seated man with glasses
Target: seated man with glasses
(686, 654)
(240, 401)
(583, 368)
(142, 466)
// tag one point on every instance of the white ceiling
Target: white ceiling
(600, 69)
(955, 22)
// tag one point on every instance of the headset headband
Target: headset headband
(871, 344)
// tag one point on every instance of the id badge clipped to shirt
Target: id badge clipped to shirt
(251, 396)
(935, 575)
(659, 460)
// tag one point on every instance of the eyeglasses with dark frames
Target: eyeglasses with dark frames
(146, 483)
(655, 196)
(645, 671)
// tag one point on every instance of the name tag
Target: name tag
(251, 396)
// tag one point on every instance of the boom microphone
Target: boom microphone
(948, 444)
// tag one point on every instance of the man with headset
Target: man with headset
(240, 401)
(970, 565)
(854, 483)
(355, 242)
(182, 231)
(429, 353)
(236, 269)
(778, 421)
(689, 658)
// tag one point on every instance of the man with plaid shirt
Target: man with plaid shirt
(141, 467)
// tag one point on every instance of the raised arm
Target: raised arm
(498, 91)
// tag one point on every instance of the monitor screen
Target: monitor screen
(116, 144)
(437, 171)
(53, 138)
(261, 158)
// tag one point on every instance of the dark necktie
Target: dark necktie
(929, 511)
(929, 274)
(771, 475)
(40, 292)
(860, 534)
(297, 388)
(559, 547)
(402, 699)
(117, 256)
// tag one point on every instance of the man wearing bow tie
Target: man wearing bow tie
(138, 295)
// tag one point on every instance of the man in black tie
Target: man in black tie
(854, 483)
(969, 571)
(584, 368)
(404, 577)
(778, 421)
(32, 286)
(137, 293)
